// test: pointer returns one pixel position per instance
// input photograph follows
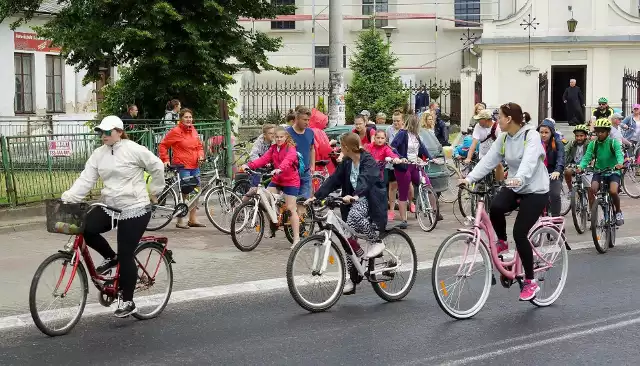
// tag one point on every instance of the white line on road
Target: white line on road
(93, 309)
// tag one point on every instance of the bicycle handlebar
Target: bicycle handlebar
(99, 204)
(267, 174)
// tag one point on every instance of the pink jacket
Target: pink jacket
(380, 152)
(286, 160)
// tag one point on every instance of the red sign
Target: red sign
(31, 42)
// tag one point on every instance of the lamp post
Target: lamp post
(388, 29)
(571, 23)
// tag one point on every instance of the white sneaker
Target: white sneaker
(374, 249)
(348, 286)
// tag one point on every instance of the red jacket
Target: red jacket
(369, 136)
(185, 145)
(286, 160)
(379, 153)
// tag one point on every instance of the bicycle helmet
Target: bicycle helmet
(581, 128)
(602, 123)
(603, 100)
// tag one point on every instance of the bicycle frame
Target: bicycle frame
(511, 269)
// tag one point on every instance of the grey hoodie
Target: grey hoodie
(526, 160)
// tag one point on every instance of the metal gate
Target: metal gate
(630, 90)
(543, 97)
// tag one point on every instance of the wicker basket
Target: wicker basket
(66, 218)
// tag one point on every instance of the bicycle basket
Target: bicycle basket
(66, 218)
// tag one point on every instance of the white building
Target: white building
(426, 39)
(39, 82)
(605, 41)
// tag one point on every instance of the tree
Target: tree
(375, 86)
(167, 49)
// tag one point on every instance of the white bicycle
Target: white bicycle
(323, 270)
(249, 217)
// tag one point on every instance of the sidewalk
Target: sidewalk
(205, 257)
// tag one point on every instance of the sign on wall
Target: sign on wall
(30, 42)
(60, 148)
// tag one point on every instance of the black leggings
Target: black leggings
(129, 233)
(531, 207)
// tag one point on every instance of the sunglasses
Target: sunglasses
(105, 133)
(602, 103)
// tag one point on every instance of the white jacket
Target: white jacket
(121, 168)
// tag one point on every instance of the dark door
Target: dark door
(560, 77)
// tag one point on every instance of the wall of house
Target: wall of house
(78, 99)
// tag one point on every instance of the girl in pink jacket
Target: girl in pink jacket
(284, 158)
(380, 150)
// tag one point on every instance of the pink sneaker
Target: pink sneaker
(391, 215)
(529, 290)
(502, 246)
(412, 207)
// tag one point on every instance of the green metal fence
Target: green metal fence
(29, 172)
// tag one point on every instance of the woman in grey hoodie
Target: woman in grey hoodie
(520, 146)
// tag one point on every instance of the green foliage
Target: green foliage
(171, 48)
(434, 92)
(320, 106)
(375, 85)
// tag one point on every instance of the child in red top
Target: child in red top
(380, 150)
(284, 158)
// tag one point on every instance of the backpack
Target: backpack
(504, 140)
(301, 166)
(493, 136)
(369, 129)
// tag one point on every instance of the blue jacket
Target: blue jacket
(630, 132)
(401, 144)
(555, 157)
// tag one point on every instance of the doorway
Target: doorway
(560, 76)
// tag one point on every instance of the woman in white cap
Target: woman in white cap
(120, 163)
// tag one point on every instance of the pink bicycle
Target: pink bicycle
(476, 253)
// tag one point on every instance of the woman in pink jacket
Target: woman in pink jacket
(380, 150)
(284, 158)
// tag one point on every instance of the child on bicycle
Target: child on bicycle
(574, 151)
(607, 153)
(380, 150)
(554, 161)
(359, 177)
(284, 158)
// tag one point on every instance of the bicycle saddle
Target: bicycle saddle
(322, 162)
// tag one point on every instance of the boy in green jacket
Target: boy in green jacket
(608, 155)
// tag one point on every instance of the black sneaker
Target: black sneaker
(125, 309)
(106, 265)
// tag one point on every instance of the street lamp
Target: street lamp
(388, 29)
(571, 23)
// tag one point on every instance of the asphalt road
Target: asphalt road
(594, 322)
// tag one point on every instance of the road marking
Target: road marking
(93, 309)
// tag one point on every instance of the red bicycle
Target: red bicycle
(66, 266)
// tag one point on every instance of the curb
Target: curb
(244, 288)
(23, 226)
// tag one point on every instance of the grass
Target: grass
(35, 186)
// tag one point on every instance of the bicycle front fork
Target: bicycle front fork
(321, 255)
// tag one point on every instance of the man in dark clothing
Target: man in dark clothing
(574, 101)
(422, 99)
(132, 114)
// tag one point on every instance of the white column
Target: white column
(467, 96)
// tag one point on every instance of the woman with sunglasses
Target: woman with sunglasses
(521, 147)
(120, 163)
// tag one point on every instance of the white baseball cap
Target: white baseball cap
(365, 113)
(108, 123)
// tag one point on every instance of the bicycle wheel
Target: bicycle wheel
(219, 204)
(244, 220)
(630, 183)
(307, 223)
(162, 212)
(426, 214)
(451, 194)
(152, 267)
(550, 264)
(599, 226)
(306, 281)
(467, 203)
(241, 187)
(450, 276)
(51, 322)
(401, 259)
(579, 210)
(565, 200)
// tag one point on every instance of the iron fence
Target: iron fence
(270, 102)
(630, 90)
(31, 172)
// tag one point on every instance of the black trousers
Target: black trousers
(531, 207)
(129, 233)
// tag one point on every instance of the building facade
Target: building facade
(535, 72)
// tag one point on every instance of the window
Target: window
(55, 94)
(285, 24)
(382, 6)
(23, 65)
(468, 10)
(322, 57)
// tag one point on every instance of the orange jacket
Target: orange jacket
(185, 144)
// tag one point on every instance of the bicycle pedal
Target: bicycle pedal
(493, 280)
